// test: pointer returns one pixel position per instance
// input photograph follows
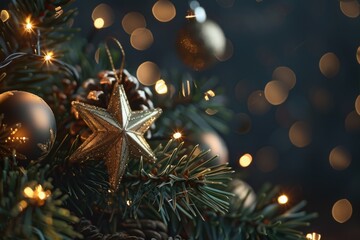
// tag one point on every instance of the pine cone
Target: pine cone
(97, 92)
(145, 228)
(91, 232)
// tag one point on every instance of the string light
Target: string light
(209, 94)
(313, 236)
(13, 137)
(4, 15)
(283, 199)
(38, 195)
(99, 23)
(48, 56)
(177, 135)
(28, 25)
(161, 87)
(245, 160)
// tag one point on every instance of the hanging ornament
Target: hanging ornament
(117, 133)
(243, 193)
(201, 41)
(98, 91)
(31, 123)
(211, 140)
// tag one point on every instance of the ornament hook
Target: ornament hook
(118, 78)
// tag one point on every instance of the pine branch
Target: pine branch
(181, 181)
(264, 219)
(50, 18)
(193, 106)
(30, 207)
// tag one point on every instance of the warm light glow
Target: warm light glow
(209, 94)
(342, 210)
(161, 87)
(313, 236)
(164, 10)
(177, 135)
(148, 73)
(38, 195)
(276, 92)
(285, 75)
(186, 88)
(132, 21)
(48, 56)
(4, 15)
(352, 121)
(28, 192)
(300, 134)
(99, 23)
(28, 25)
(339, 158)
(105, 13)
(128, 202)
(283, 199)
(357, 104)
(141, 39)
(329, 65)
(350, 8)
(245, 160)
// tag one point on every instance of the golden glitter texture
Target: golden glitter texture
(117, 132)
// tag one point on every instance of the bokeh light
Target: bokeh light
(132, 21)
(358, 55)
(148, 73)
(4, 15)
(342, 210)
(266, 159)
(257, 103)
(161, 87)
(283, 199)
(329, 65)
(104, 12)
(141, 39)
(209, 94)
(99, 23)
(339, 158)
(352, 122)
(285, 75)
(177, 135)
(350, 8)
(276, 92)
(300, 134)
(245, 160)
(164, 10)
(313, 236)
(357, 104)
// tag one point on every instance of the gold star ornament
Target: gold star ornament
(117, 133)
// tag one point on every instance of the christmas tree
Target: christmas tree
(88, 152)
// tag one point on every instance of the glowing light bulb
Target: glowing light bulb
(177, 135)
(99, 23)
(48, 56)
(313, 236)
(28, 25)
(245, 160)
(283, 199)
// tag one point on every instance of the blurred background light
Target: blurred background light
(148, 73)
(342, 211)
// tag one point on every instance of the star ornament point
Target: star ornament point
(117, 133)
